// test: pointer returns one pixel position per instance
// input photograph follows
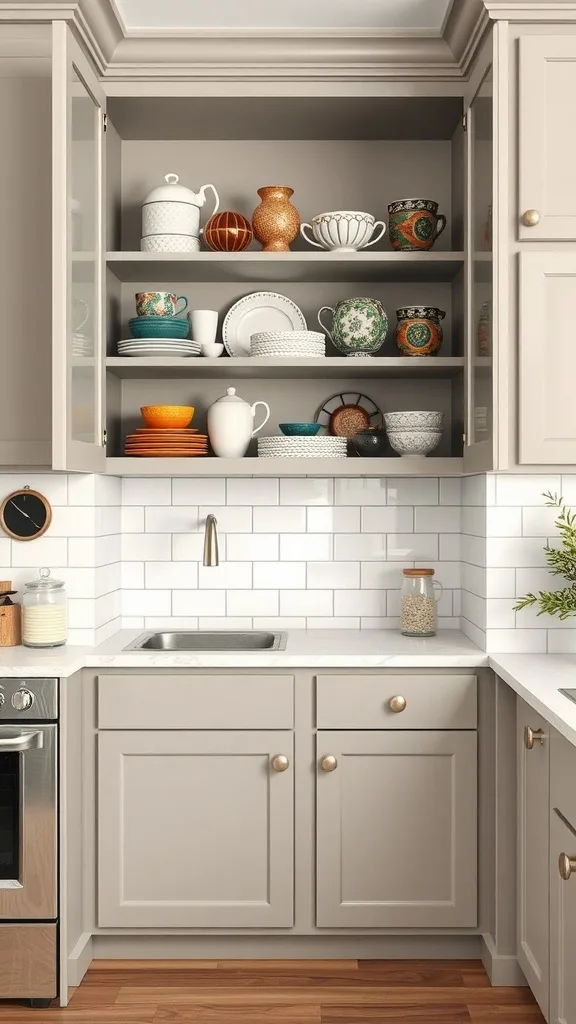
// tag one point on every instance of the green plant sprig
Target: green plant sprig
(561, 562)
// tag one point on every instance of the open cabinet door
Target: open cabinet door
(78, 108)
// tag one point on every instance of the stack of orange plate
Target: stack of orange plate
(152, 442)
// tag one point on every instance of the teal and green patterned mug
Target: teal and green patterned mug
(359, 326)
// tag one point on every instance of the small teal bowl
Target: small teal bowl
(300, 429)
(158, 327)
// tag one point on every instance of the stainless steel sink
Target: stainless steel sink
(209, 640)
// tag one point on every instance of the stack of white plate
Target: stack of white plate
(166, 347)
(82, 347)
(287, 344)
(322, 447)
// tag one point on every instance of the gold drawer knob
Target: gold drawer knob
(397, 704)
(530, 218)
(280, 763)
(328, 763)
(531, 736)
(566, 866)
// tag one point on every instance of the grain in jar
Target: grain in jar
(44, 612)
(418, 615)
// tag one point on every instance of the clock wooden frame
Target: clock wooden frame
(28, 492)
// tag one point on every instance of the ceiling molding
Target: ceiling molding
(524, 10)
(464, 31)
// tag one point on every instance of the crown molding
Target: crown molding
(464, 31)
(525, 10)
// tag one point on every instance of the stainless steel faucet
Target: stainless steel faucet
(211, 541)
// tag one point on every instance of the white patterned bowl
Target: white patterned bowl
(409, 420)
(170, 243)
(412, 443)
(343, 230)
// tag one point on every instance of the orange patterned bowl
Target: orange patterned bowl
(165, 416)
(228, 232)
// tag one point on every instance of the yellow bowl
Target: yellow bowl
(175, 416)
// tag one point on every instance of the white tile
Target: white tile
(170, 622)
(388, 519)
(147, 547)
(529, 618)
(473, 549)
(476, 635)
(279, 519)
(409, 547)
(333, 519)
(189, 547)
(224, 622)
(530, 581)
(252, 602)
(171, 575)
(71, 522)
(6, 550)
(538, 522)
(303, 547)
(107, 549)
(132, 519)
(81, 637)
(146, 602)
(474, 609)
(146, 491)
(53, 486)
(107, 578)
(450, 547)
(515, 552)
(361, 547)
(306, 491)
(379, 622)
(500, 582)
(413, 491)
(503, 521)
(199, 602)
(449, 573)
(171, 519)
(279, 622)
(252, 547)
(332, 575)
(231, 518)
(132, 575)
(562, 642)
(360, 602)
(359, 491)
(107, 520)
(515, 641)
(383, 575)
(500, 614)
(518, 489)
(333, 622)
(82, 489)
(451, 490)
(474, 520)
(474, 579)
(457, 602)
(104, 632)
(81, 613)
(279, 575)
(82, 551)
(306, 602)
(450, 623)
(226, 576)
(107, 607)
(474, 490)
(203, 491)
(43, 551)
(437, 519)
(568, 488)
(132, 622)
(108, 490)
(79, 582)
(251, 491)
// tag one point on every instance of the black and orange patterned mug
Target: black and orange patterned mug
(414, 224)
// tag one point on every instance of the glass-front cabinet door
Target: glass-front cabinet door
(78, 107)
(478, 449)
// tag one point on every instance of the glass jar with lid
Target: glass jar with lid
(44, 612)
(418, 599)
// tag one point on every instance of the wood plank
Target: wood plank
(418, 1013)
(291, 966)
(273, 1014)
(505, 1014)
(363, 995)
(156, 965)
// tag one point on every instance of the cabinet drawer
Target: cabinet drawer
(562, 776)
(196, 702)
(364, 702)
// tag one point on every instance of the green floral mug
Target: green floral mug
(359, 326)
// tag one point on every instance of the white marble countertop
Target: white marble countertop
(538, 678)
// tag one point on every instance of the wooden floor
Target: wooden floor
(286, 992)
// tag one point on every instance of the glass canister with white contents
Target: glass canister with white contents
(44, 612)
(418, 598)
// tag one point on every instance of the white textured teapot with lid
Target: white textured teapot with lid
(171, 216)
(231, 425)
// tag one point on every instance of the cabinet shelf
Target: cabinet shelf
(352, 467)
(285, 266)
(326, 368)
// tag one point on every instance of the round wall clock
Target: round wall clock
(25, 514)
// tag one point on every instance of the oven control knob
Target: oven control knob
(22, 700)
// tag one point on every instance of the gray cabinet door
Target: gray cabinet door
(562, 924)
(196, 830)
(396, 843)
(533, 850)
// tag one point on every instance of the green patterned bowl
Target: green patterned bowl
(300, 429)
(158, 327)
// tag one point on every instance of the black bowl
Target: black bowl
(373, 442)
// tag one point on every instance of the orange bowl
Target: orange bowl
(175, 416)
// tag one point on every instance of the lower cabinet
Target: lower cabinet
(196, 829)
(397, 829)
(562, 921)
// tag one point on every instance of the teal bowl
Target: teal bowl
(300, 429)
(158, 327)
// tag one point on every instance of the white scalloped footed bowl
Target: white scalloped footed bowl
(409, 420)
(343, 230)
(413, 443)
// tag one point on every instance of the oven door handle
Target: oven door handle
(17, 741)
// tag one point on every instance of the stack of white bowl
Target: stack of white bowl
(412, 434)
(288, 344)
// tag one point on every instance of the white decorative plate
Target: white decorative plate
(290, 337)
(257, 312)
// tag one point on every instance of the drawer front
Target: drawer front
(196, 702)
(421, 702)
(562, 776)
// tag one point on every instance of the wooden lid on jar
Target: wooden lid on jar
(418, 572)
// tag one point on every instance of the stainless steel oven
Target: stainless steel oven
(28, 839)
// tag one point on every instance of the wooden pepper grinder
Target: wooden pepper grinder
(10, 617)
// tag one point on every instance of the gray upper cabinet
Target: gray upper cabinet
(195, 829)
(533, 850)
(396, 820)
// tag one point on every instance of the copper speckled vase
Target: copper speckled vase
(276, 222)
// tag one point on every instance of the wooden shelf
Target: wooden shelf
(285, 266)
(327, 368)
(351, 467)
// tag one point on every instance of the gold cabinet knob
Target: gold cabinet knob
(280, 763)
(531, 736)
(328, 763)
(530, 218)
(397, 704)
(566, 866)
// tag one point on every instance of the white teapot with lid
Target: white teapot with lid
(174, 210)
(231, 425)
